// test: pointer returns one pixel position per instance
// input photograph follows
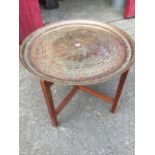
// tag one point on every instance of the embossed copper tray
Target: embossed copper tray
(77, 52)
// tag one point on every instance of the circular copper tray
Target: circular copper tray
(77, 52)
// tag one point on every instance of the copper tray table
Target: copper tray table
(78, 53)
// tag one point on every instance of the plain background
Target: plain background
(145, 77)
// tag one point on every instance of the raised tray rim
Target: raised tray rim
(40, 31)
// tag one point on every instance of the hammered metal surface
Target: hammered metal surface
(77, 52)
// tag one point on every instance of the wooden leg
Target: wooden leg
(55, 111)
(119, 91)
(49, 101)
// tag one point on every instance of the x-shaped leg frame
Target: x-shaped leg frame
(55, 111)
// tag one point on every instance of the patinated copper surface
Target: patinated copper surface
(77, 52)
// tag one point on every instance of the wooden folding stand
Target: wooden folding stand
(55, 111)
